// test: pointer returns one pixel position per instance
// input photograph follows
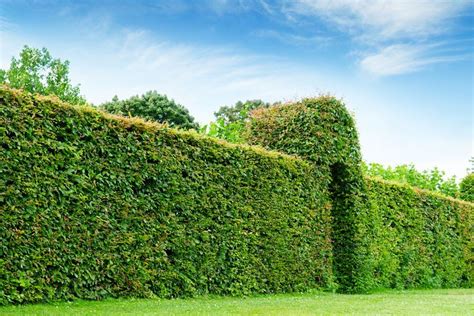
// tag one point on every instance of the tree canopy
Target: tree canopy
(230, 120)
(239, 112)
(433, 180)
(152, 106)
(36, 71)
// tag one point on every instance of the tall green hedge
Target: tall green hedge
(322, 131)
(384, 235)
(95, 206)
(422, 239)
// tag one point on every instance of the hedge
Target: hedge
(384, 235)
(421, 239)
(94, 206)
(322, 131)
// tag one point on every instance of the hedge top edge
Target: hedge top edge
(150, 126)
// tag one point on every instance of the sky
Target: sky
(403, 68)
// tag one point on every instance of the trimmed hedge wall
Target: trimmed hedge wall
(384, 235)
(94, 206)
(322, 131)
(422, 239)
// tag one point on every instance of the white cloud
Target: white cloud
(404, 58)
(385, 19)
(401, 32)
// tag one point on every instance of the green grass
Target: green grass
(414, 302)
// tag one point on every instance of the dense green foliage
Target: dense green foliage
(433, 180)
(322, 131)
(95, 205)
(422, 239)
(152, 106)
(384, 234)
(37, 71)
(231, 132)
(466, 188)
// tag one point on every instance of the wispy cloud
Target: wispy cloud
(203, 78)
(404, 58)
(401, 32)
(381, 18)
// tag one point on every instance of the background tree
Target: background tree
(37, 71)
(433, 180)
(230, 120)
(239, 112)
(152, 106)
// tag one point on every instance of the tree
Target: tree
(152, 106)
(240, 111)
(433, 180)
(231, 132)
(230, 120)
(36, 71)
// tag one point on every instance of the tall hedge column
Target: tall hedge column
(321, 130)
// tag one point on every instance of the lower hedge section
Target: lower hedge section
(95, 206)
(421, 239)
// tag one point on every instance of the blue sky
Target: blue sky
(404, 68)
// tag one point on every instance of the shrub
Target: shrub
(231, 132)
(95, 205)
(466, 188)
(152, 106)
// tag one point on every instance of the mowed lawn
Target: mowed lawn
(413, 302)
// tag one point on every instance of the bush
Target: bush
(421, 238)
(97, 206)
(466, 188)
(231, 132)
(152, 106)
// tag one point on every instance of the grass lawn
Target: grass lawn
(413, 302)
